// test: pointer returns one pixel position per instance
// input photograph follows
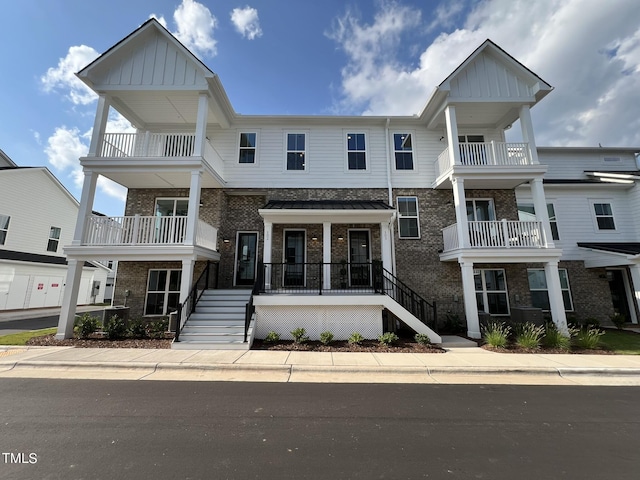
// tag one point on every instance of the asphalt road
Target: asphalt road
(62, 429)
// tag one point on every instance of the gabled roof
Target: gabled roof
(5, 161)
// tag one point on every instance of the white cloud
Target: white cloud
(587, 50)
(195, 24)
(63, 76)
(246, 22)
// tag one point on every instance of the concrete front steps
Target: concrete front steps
(217, 323)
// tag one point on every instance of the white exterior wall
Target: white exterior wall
(571, 164)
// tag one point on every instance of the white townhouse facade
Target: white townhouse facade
(248, 224)
(37, 218)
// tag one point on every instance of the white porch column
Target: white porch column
(635, 279)
(460, 203)
(186, 279)
(540, 206)
(69, 299)
(99, 126)
(201, 125)
(527, 133)
(326, 255)
(86, 205)
(193, 210)
(266, 253)
(556, 303)
(470, 304)
(452, 135)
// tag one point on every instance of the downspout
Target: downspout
(390, 195)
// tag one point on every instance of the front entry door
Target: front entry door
(359, 258)
(246, 258)
(619, 292)
(294, 258)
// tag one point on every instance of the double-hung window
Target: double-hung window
(163, 292)
(540, 291)
(296, 151)
(604, 216)
(356, 151)
(491, 291)
(4, 227)
(403, 150)
(527, 213)
(408, 222)
(480, 210)
(248, 145)
(54, 239)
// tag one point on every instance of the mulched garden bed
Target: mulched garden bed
(401, 346)
(98, 341)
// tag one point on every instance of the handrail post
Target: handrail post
(320, 277)
(178, 321)
(206, 282)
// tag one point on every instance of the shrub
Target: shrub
(591, 322)
(326, 337)
(158, 328)
(554, 339)
(496, 334)
(588, 337)
(528, 335)
(115, 328)
(618, 319)
(356, 338)
(137, 328)
(388, 338)
(86, 324)
(272, 337)
(299, 335)
(422, 338)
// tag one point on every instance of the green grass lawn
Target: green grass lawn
(21, 338)
(621, 342)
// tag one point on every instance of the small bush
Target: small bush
(115, 328)
(137, 328)
(158, 328)
(554, 339)
(356, 338)
(618, 319)
(326, 337)
(388, 338)
(422, 338)
(299, 335)
(496, 334)
(529, 335)
(588, 338)
(591, 322)
(272, 337)
(85, 325)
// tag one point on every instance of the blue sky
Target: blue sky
(320, 57)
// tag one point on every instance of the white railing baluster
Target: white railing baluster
(497, 234)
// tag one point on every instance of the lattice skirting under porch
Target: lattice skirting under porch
(342, 321)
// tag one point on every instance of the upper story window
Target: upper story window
(54, 239)
(356, 151)
(480, 210)
(4, 227)
(296, 151)
(403, 150)
(604, 216)
(408, 221)
(172, 207)
(527, 213)
(248, 145)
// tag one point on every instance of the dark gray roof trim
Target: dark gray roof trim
(35, 258)
(629, 248)
(327, 205)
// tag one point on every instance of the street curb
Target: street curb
(223, 367)
(599, 371)
(359, 369)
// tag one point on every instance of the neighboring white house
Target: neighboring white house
(37, 217)
(342, 223)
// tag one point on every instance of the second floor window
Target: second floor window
(54, 239)
(296, 151)
(403, 150)
(604, 216)
(4, 227)
(247, 148)
(527, 213)
(408, 223)
(479, 210)
(356, 151)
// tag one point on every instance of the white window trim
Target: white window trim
(492, 205)
(367, 158)
(413, 151)
(237, 152)
(485, 292)
(166, 290)
(594, 217)
(417, 217)
(568, 289)
(174, 199)
(57, 240)
(286, 151)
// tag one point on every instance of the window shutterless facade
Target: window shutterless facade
(54, 239)
(408, 219)
(540, 291)
(491, 291)
(248, 147)
(604, 216)
(4, 228)
(527, 213)
(403, 151)
(356, 151)
(296, 151)
(163, 292)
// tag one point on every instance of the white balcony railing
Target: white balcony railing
(486, 153)
(147, 144)
(497, 234)
(145, 230)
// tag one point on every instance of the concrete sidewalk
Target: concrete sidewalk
(456, 366)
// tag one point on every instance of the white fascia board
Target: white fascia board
(502, 255)
(282, 299)
(141, 253)
(302, 216)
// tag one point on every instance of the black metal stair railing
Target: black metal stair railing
(258, 286)
(186, 308)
